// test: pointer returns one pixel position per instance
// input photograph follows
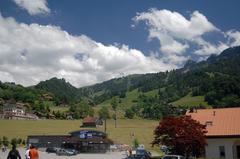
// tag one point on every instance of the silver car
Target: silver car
(66, 152)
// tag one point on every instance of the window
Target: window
(209, 123)
(222, 151)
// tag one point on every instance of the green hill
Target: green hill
(214, 82)
(191, 101)
(64, 92)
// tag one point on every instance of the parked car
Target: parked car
(66, 152)
(51, 150)
(140, 154)
(75, 152)
(173, 157)
(143, 154)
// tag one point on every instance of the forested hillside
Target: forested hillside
(217, 79)
(64, 92)
(214, 82)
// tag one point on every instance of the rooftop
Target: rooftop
(220, 122)
(89, 120)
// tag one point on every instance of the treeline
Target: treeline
(14, 141)
(19, 93)
(152, 108)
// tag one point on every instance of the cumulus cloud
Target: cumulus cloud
(234, 37)
(206, 48)
(32, 52)
(34, 7)
(176, 33)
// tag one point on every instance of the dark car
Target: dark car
(66, 152)
(51, 150)
(143, 154)
(140, 154)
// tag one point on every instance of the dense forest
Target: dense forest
(217, 79)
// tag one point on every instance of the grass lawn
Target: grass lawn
(142, 129)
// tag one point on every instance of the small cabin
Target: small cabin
(89, 122)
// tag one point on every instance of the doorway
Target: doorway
(238, 151)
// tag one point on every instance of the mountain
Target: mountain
(216, 80)
(64, 92)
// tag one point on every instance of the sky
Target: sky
(91, 41)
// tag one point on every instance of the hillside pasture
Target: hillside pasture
(191, 101)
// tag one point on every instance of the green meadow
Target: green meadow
(142, 129)
(190, 101)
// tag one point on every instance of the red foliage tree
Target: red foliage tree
(182, 135)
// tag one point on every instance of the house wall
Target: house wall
(212, 149)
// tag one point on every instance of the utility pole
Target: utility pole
(105, 125)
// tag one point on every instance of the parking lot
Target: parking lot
(44, 155)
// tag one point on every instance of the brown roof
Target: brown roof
(220, 122)
(89, 120)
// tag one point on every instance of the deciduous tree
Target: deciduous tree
(182, 135)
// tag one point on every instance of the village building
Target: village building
(223, 136)
(91, 122)
(82, 141)
(16, 110)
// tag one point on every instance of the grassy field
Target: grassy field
(142, 129)
(189, 100)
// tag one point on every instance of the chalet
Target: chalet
(82, 140)
(16, 110)
(91, 122)
(223, 136)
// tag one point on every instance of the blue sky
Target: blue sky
(89, 41)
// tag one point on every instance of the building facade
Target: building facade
(223, 136)
(16, 110)
(82, 141)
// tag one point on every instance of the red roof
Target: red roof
(220, 122)
(89, 120)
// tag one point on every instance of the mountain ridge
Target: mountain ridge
(204, 79)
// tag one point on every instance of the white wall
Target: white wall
(212, 149)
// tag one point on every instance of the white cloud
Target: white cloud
(234, 37)
(31, 53)
(206, 48)
(34, 7)
(175, 32)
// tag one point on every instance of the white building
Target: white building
(13, 110)
(223, 136)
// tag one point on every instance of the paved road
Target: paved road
(44, 155)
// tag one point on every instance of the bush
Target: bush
(14, 141)
(135, 143)
(129, 113)
(24, 142)
(5, 141)
(19, 141)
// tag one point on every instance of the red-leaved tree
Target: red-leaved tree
(182, 135)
